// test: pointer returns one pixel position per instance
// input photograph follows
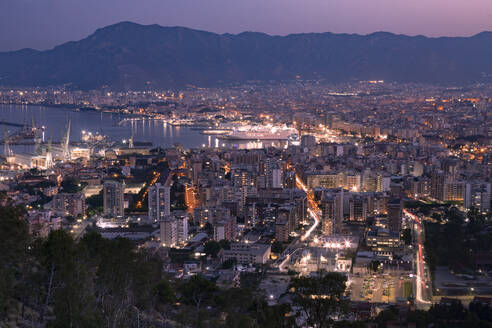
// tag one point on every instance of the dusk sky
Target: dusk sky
(42, 24)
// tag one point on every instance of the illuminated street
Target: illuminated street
(313, 209)
(421, 292)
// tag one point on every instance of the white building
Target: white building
(182, 229)
(277, 178)
(477, 194)
(174, 230)
(113, 192)
(159, 202)
(169, 232)
(248, 253)
(31, 161)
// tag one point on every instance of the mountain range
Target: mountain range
(129, 55)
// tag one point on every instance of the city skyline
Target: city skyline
(156, 171)
(41, 21)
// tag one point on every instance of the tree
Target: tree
(14, 242)
(476, 221)
(421, 318)
(127, 281)
(407, 236)
(436, 216)
(164, 292)
(320, 298)
(276, 316)
(481, 310)
(447, 313)
(225, 244)
(240, 320)
(72, 185)
(70, 219)
(69, 283)
(228, 264)
(96, 201)
(209, 229)
(386, 315)
(234, 300)
(277, 247)
(196, 291)
(212, 248)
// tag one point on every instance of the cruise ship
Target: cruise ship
(273, 133)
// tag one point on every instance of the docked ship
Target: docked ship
(266, 133)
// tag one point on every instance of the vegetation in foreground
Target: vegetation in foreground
(94, 282)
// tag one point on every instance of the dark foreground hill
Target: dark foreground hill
(129, 55)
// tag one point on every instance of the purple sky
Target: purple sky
(42, 24)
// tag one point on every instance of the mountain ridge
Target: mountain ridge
(128, 55)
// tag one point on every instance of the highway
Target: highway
(420, 280)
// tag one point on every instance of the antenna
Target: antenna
(66, 141)
(6, 149)
(130, 141)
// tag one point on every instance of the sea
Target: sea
(118, 127)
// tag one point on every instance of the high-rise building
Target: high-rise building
(328, 210)
(282, 230)
(277, 178)
(169, 231)
(352, 182)
(419, 187)
(196, 170)
(290, 180)
(113, 192)
(383, 183)
(358, 208)
(181, 227)
(240, 177)
(477, 195)
(159, 198)
(69, 204)
(379, 203)
(437, 185)
(174, 229)
(395, 214)
(308, 141)
(225, 229)
(325, 179)
(454, 191)
(273, 173)
(417, 169)
(369, 182)
(332, 211)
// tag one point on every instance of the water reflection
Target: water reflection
(114, 126)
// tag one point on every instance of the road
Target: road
(78, 229)
(282, 266)
(420, 279)
(314, 213)
(313, 209)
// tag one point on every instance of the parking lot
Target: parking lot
(377, 289)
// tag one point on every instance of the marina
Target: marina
(48, 124)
